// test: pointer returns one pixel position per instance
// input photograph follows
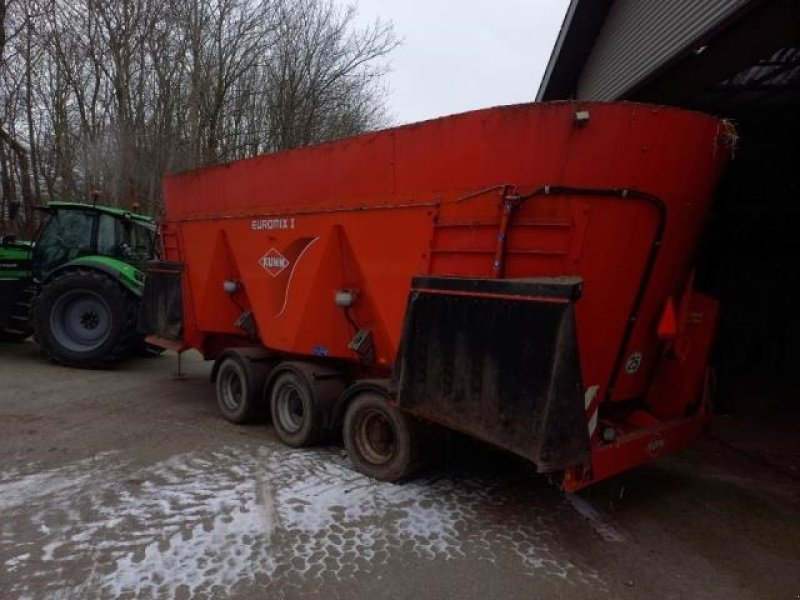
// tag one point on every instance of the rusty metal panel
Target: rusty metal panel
(639, 36)
(497, 360)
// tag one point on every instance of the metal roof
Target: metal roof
(773, 81)
(109, 210)
(717, 55)
(581, 25)
(639, 37)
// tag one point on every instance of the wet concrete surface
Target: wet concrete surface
(127, 484)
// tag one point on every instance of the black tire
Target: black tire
(380, 440)
(83, 318)
(294, 410)
(239, 385)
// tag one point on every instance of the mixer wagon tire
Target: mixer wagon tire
(295, 411)
(380, 440)
(238, 387)
(82, 318)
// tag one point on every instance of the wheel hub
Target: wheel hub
(81, 320)
(290, 408)
(90, 320)
(375, 437)
(233, 389)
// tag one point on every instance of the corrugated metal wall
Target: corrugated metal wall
(639, 36)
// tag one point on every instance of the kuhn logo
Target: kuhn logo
(273, 262)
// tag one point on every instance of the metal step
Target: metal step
(18, 320)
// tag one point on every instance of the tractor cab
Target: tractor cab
(74, 230)
(78, 286)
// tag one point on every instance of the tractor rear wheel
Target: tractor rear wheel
(82, 318)
(380, 440)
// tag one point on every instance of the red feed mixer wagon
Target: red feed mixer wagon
(521, 274)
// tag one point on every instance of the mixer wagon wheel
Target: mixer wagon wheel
(295, 410)
(238, 385)
(380, 440)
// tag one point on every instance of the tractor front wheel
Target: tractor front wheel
(83, 318)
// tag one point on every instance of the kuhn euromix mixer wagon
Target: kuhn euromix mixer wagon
(519, 274)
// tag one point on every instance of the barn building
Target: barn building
(738, 59)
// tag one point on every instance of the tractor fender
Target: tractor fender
(126, 274)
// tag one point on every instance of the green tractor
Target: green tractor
(78, 286)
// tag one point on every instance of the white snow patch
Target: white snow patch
(207, 523)
(12, 563)
(17, 489)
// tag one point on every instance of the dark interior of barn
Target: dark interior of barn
(744, 65)
(751, 261)
(750, 254)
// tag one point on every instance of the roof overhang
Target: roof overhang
(578, 32)
(751, 60)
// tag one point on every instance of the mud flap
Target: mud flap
(161, 311)
(497, 360)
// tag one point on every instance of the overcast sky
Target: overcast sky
(459, 55)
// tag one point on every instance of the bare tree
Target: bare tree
(323, 81)
(14, 18)
(112, 94)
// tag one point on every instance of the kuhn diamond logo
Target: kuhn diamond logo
(273, 262)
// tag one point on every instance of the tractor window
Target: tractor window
(107, 244)
(66, 236)
(138, 241)
(123, 239)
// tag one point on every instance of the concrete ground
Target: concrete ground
(127, 483)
